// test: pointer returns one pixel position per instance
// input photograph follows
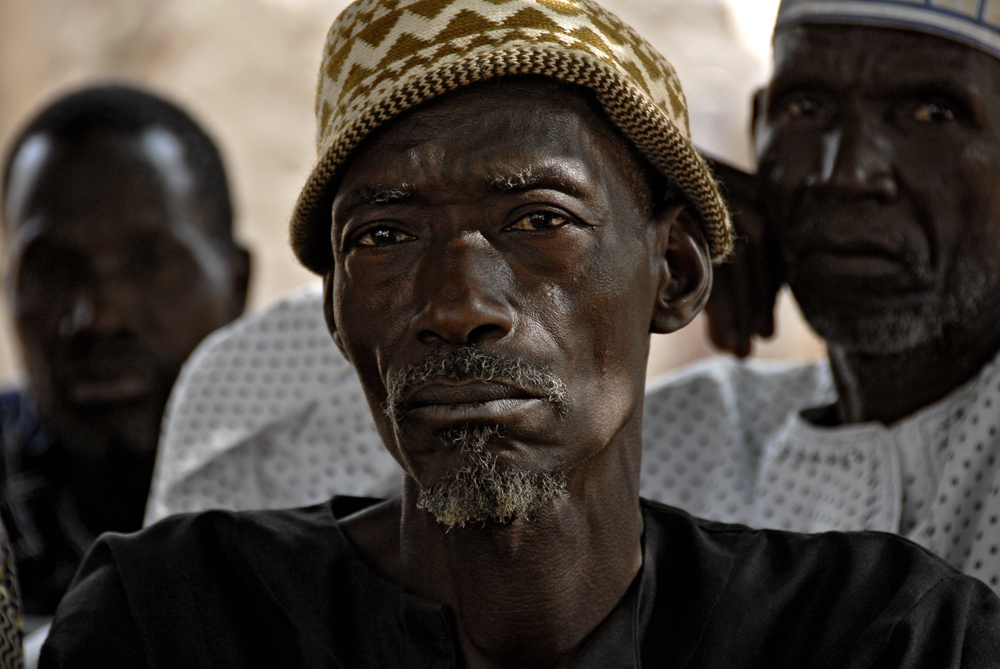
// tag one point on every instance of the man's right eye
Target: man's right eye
(380, 236)
(802, 107)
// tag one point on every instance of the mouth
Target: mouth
(859, 257)
(445, 403)
(861, 261)
(101, 379)
(108, 390)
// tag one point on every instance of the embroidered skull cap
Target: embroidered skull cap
(975, 23)
(384, 57)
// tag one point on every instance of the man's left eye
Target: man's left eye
(933, 112)
(382, 236)
(540, 220)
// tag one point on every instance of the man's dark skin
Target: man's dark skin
(879, 188)
(113, 278)
(571, 269)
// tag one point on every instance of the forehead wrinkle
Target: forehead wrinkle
(887, 55)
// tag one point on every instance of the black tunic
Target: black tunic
(286, 589)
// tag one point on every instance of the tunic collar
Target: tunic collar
(660, 617)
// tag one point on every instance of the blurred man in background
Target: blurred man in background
(119, 259)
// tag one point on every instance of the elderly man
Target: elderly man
(119, 259)
(506, 205)
(299, 430)
(879, 150)
(878, 142)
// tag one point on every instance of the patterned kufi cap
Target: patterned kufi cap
(383, 57)
(975, 23)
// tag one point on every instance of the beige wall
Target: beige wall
(247, 69)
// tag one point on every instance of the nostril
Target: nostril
(485, 332)
(478, 334)
(429, 337)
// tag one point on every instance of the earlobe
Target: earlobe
(331, 321)
(685, 272)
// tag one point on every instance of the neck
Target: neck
(539, 587)
(106, 467)
(888, 388)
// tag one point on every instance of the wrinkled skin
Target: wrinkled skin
(112, 279)
(879, 181)
(569, 269)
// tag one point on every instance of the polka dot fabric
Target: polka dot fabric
(727, 441)
(267, 413)
(706, 429)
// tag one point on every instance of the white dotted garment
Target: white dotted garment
(268, 414)
(727, 441)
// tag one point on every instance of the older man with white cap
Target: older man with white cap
(506, 205)
(878, 200)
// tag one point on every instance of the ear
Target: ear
(240, 277)
(331, 321)
(684, 267)
(757, 114)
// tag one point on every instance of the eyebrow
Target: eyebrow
(549, 176)
(386, 193)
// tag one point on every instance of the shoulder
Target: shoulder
(236, 533)
(834, 557)
(837, 595)
(223, 552)
(832, 599)
(205, 586)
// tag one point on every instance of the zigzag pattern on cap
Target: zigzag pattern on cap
(383, 57)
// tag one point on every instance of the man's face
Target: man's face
(879, 155)
(111, 274)
(495, 234)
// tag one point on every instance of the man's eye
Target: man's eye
(933, 112)
(541, 220)
(382, 236)
(802, 108)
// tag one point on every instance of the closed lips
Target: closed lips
(473, 392)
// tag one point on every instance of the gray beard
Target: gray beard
(481, 490)
(886, 333)
(896, 330)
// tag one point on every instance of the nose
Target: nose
(90, 313)
(464, 294)
(855, 161)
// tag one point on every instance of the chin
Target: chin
(879, 328)
(483, 489)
